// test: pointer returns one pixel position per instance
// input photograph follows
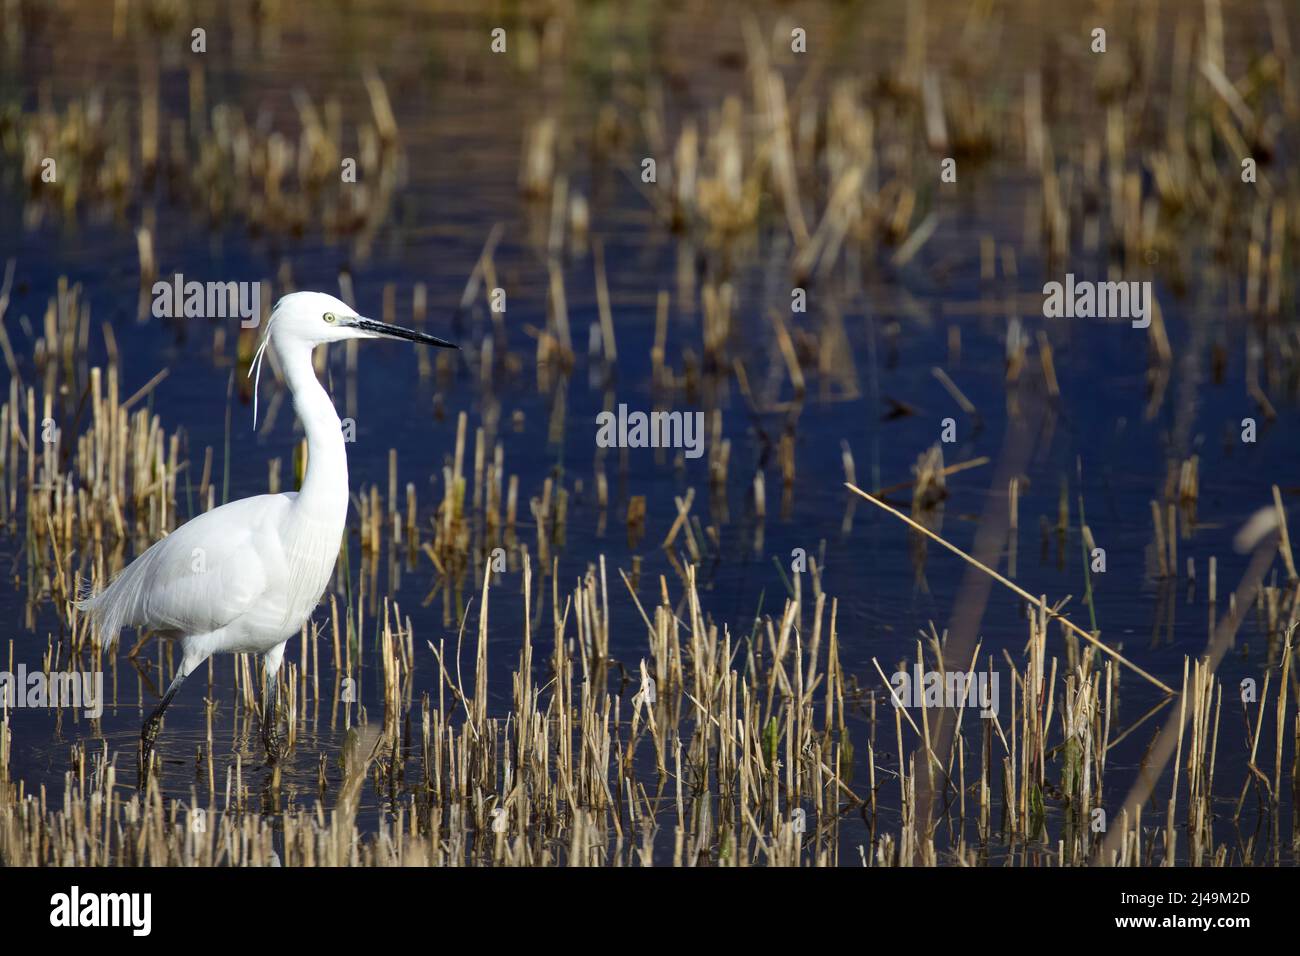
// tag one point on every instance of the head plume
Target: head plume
(255, 369)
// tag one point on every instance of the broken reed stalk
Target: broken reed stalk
(1070, 625)
(1169, 741)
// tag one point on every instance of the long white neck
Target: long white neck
(324, 491)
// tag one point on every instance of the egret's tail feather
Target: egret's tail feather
(104, 624)
(116, 605)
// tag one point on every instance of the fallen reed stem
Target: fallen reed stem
(1014, 587)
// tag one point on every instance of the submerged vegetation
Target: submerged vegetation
(644, 719)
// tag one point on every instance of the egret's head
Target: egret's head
(314, 318)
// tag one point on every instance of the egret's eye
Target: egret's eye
(330, 317)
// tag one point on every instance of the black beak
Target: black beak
(397, 332)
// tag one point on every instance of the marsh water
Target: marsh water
(1111, 436)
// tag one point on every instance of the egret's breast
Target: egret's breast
(305, 550)
(311, 551)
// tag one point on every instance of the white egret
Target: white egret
(244, 577)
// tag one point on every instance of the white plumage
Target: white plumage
(244, 577)
(226, 570)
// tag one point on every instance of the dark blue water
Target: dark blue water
(462, 118)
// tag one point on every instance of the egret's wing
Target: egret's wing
(203, 575)
(200, 582)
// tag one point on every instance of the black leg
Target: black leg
(270, 730)
(149, 732)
